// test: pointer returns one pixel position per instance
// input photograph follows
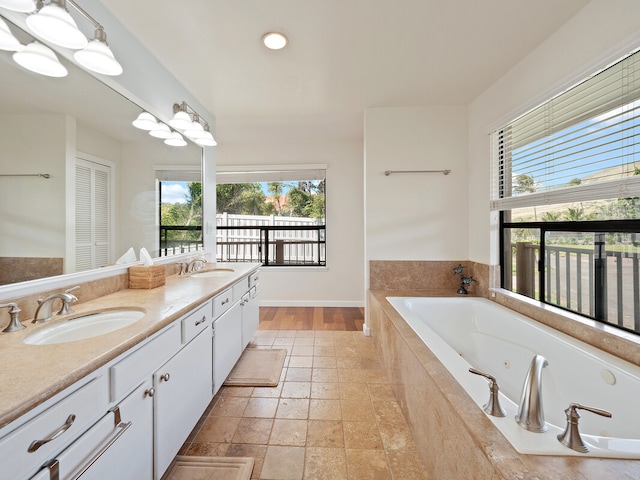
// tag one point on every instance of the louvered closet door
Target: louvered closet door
(93, 215)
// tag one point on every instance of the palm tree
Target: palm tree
(524, 183)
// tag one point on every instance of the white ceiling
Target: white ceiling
(343, 55)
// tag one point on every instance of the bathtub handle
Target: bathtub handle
(492, 407)
(571, 436)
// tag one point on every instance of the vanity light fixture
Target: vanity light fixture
(23, 6)
(97, 56)
(196, 130)
(40, 59)
(207, 139)
(275, 40)
(181, 118)
(54, 24)
(161, 131)
(145, 121)
(187, 120)
(7, 40)
(175, 140)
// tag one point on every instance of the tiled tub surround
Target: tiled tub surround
(427, 275)
(32, 374)
(454, 437)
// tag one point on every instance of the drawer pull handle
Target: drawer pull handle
(150, 392)
(36, 444)
(123, 428)
(225, 301)
(165, 377)
(204, 319)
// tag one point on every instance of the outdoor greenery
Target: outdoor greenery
(293, 199)
(184, 214)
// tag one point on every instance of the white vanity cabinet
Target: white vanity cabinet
(227, 343)
(182, 393)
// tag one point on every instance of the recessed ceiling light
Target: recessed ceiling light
(274, 40)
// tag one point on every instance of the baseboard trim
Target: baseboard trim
(311, 303)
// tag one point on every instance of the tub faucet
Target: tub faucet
(530, 413)
(45, 305)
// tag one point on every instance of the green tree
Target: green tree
(240, 198)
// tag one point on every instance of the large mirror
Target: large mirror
(78, 183)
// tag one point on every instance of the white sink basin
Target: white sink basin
(87, 326)
(215, 272)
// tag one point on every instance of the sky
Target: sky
(174, 192)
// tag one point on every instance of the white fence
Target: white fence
(270, 239)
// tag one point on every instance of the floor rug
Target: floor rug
(257, 367)
(210, 468)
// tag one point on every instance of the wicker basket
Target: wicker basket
(146, 277)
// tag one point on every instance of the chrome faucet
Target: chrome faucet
(530, 412)
(193, 266)
(45, 305)
(571, 436)
(14, 314)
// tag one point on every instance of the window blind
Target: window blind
(271, 173)
(583, 144)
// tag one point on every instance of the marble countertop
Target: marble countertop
(31, 374)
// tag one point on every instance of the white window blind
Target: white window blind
(581, 145)
(270, 173)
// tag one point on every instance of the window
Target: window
(566, 184)
(180, 209)
(274, 215)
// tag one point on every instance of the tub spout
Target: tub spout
(530, 413)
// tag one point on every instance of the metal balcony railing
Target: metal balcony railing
(604, 286)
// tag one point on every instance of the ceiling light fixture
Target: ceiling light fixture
(275, 40)
(181, 118)
(23, 6)
(54, 24)
(7, 40)
(40, 59)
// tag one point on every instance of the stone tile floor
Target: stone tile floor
(332, 416)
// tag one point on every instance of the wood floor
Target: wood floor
(348, 319)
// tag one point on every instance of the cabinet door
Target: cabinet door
(118, 446)
(227, 343)
(250, 315)
(182, 393)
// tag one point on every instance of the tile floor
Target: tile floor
(332, 416)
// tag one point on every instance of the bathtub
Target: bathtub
(465, 332)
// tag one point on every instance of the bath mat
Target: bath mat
(257, 367)
(210, 468)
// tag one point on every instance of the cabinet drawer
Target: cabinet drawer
(240, 288)
(222, 302)
(59, 424)
(126, 374)
(195, 322)
(254, 279)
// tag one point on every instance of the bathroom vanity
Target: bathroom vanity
(121, 404)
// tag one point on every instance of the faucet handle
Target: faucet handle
(492, 407)
(66, 309)
(571, 435)
(14, 313)
(72, 289)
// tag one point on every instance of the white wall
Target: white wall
(30, 206)
(416, 216)
(341, 283)
(599, 34)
